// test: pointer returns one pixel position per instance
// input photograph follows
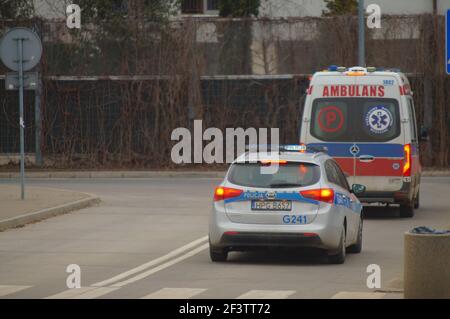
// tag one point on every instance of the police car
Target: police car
(295, 197)
(366, 119)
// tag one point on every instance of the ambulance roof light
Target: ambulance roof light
(357, 69)
(333, 68)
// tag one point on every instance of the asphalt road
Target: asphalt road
(148, 239)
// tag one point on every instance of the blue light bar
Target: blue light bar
(286, 148)
(333, 68)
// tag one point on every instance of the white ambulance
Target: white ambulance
(366, 120)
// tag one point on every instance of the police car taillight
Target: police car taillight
(407, 160)
(323, 195)
(222, 193)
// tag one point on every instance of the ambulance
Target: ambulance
(365, 119)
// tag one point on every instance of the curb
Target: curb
(46, 213)
(116, 174)
(436, 173)
(147, 174)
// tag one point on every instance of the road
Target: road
(147, 239)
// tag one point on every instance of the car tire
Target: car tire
(357, 247)
(407, 211)
(339, 258)
(417, 201)
(217, 254)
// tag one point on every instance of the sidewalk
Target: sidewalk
(40, 203)
(114, 174)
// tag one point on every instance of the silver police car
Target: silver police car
(296, 197)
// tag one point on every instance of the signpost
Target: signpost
(20, 51)
(361, 35)
(447, 41)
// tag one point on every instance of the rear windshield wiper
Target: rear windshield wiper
(275, 185)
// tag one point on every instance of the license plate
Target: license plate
(282, 205)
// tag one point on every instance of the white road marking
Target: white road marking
(358, 295)
(267, 294)
(174, 293)
(161, 267)
(82, 293)
(8, 290)
(95, 293)
(151, 263)
(70, 293)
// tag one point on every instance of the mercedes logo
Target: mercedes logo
(354, 149)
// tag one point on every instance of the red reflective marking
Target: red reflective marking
(309, 234)
(231, 233)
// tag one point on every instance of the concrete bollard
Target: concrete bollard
(427, 266)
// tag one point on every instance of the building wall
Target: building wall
(301, 8)
(284, 8)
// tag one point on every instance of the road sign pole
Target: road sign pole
(20, 56)
(362, 35)
(21, 120)
(447, 41)
(37, 120)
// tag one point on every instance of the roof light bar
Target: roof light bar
(286, 148)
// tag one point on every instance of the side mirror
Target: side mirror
(423, 134)
(358, 189)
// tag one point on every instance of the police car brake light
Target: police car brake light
(222, 193)
(322, 194)
(271, 162)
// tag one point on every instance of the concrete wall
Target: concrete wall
(284, 8)
(291, 8)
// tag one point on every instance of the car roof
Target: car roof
(316, 157)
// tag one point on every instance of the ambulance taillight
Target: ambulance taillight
(407, 160)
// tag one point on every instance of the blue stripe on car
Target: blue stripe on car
(373, 149)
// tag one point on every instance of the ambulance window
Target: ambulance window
(380, 119)
(412, 120)
(355, 119)
(329, 120)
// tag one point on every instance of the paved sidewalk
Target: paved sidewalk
(39, 203)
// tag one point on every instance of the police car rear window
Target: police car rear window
(290, 174)
(355, 119)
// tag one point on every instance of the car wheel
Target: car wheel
(217, 254)
(417, 201)
(339, 258)
(407, 211)
(357, 247)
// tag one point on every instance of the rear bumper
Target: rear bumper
(249, 240)
(402, 196)
(323, 232)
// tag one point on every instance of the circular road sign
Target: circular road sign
(32, 48)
